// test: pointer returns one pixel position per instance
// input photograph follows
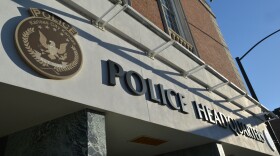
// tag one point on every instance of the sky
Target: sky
(243, 23)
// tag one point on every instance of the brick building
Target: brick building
(200, 29)
(122, 77)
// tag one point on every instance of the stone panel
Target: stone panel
(77, 134)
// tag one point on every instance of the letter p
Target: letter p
(115, 70)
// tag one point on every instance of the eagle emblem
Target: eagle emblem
(50, 46)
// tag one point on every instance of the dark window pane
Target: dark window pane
(169, 15)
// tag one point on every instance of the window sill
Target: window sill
(180, 39)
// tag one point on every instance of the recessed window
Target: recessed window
(170, 16)
(123, 1)
(128, 2)
(175, 23)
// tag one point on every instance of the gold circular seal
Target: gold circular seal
(49, 47)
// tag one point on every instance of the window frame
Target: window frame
(182, 24)
(128, 2)
(173, 11)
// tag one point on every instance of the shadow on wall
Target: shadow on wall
(8, 42)
(7, 39)
(211, 130)
(8, 31)
(119, 50)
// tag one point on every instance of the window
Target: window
(175, 23)
(169, 14)
(127, 2)
(123, 1)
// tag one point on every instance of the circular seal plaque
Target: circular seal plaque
(47, 44)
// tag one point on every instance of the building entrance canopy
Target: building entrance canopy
(173, 81)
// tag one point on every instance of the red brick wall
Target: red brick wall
(208, 42)
(207, 39)
(149, 9)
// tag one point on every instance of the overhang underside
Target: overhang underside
(21, 109)
(121, 130)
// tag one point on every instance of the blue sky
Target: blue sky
(243, 23)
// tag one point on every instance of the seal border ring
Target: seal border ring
(34, 67)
